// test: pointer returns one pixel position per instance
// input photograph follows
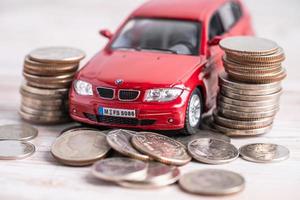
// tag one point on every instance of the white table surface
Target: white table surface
(25, 25)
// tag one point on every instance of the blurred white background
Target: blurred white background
(25, 25)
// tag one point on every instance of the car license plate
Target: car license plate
(116, 112)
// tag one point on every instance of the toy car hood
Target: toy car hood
(139, 68)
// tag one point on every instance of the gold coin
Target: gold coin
(80, 147)
(258, 78)
(225, 80)
(32, 105)
(57, 55)
(48, 71)
(239, 124)
(243, 132)
(49, 79)
(246, 115)
(249, 45)
(247, 109)
(249, 65)
(246, 70)
(243, 97)
(161, 148)
(276, 57)
(49, 102)
(271, 101)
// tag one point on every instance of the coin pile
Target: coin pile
(14, 141)
(251, 86)
(147, 160)
(48, 73)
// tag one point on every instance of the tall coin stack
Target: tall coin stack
(251, 86)
(48, 73)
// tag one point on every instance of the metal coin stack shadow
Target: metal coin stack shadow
(251, 86)
(48, 73)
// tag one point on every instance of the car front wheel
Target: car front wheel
(193, 113)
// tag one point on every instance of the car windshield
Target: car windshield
(169, 36)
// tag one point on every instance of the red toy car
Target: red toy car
(159, 71)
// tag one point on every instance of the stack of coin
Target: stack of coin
(48, 73)
(251, 86)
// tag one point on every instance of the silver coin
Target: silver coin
(120, 140)
(225, 80)
(238, 115)
(81, 147)
(212, 182)
(264, 152)
(249, 45)
(161, 148)
(23, 132)
(231, 101)
(247, 109)
(212, 151)
(250, 92)
(120, 169)
(57, 55)
(12, 149)
(146, 184)
(232, 95)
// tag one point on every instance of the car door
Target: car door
(214, 64)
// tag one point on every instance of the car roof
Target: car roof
(179, 9)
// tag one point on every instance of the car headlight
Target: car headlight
(162, 94)
(83, 88)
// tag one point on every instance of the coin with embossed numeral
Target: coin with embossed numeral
(161, 148)
(264, 152)
(212, 151)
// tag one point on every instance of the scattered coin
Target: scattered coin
(57, 55)
(161, 148)
(158, 175)
(12, 149)
(212, 151)
(120, 139)
(79, 148)
(264, 152)
(212, 182)
(22, 132)
(120, 169)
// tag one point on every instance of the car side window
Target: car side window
(227, 16)
(237, 10)
(230, 14)
(215, 26)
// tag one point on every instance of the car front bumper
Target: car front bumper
(149, 116)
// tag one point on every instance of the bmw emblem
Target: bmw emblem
(118, 81)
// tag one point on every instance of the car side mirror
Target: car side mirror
(215, 41)
(106, 33)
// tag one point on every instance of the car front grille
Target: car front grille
(123, 94)
(128, 95)
(119, 120)
(106, 93)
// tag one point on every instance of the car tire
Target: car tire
(193, 113)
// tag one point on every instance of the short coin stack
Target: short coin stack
(48, 73)
(250, 89)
